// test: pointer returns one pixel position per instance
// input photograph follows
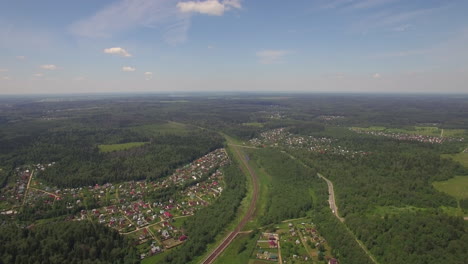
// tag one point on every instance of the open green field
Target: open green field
(253, 124)
(456, 187)
(460, 157)
(117, 147)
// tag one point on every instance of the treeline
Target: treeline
(207, 223)
(65, 242)
(82, 164)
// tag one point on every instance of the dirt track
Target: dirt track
(250, 212)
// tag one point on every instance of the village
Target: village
(280, 137)
(132, 208)
(293, 242)
(409, 137)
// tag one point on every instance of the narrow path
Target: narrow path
(303, 241)
(49, 193)
(250, 212)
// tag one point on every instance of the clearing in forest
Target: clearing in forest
(123, 146)
(456, 187)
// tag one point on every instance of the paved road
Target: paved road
(250, 212)
(331, 198)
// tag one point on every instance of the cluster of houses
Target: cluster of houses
(267, 247)
(14, 194)
(330, 117)
(322, 145)
(130, 207)
(409, 137)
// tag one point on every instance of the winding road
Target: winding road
(250, 212)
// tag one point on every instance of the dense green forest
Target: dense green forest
(64, 242)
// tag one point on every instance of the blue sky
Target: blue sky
(53, 46)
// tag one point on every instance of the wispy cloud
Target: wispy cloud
(38, 75)
(354, 4)
(128, 69)
(6, 78)
(148, 76)
(378, 15)
(117, 51)
(21, 57)
(209, 7)
(79, 78)
(404, 53)
(126, 15)
(391, 19)
(376, 76)
(3, 70)
(402, 28)
(50, 67)
(272, 56)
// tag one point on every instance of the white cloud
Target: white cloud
(38, 75)
(125, 15)
(376, 76)
(271, 56)
(148, 76)
(50, 67)
(208, 7)
(117, 51)
(21, 57)
(6, 78)
(3, 70)
(128, 69)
